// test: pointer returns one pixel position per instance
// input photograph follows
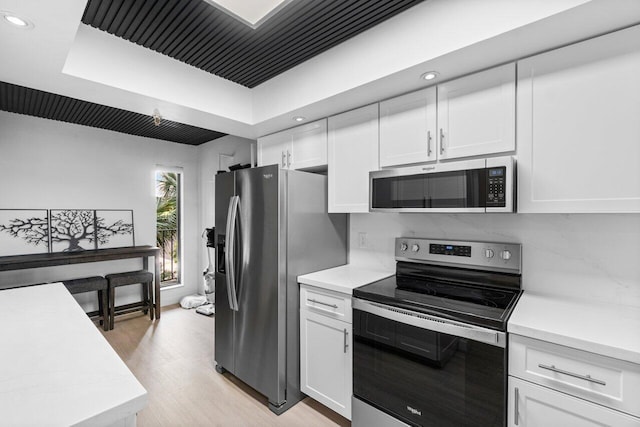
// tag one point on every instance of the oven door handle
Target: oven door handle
(432, 323)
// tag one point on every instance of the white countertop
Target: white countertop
(610, 330)
(344, 278)
(56, 368)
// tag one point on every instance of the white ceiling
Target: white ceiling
(455, 37)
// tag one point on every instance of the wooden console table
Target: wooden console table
(23, 262)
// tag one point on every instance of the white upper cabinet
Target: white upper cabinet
(302, 147)
(273, 149)
(579, 127)
(353, 153)
(408, 128)
(476, 114)
(309, 145)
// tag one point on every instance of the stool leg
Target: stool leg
(103, 303)
(147, 301)
(145, 297)
(112, 302)
(100, 307)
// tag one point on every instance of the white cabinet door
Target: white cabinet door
(353, 153)
(531, 405)
(326, 361)
(476, 114)
(275, 149)
(309, 145)
(408, 128)
(579, 127)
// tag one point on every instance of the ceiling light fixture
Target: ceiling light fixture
(299, 118)
(157, 118)
(429, 75)
(15, 20)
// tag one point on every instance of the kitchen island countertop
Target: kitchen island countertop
(606, 329)
(56, 368)
(344, 279)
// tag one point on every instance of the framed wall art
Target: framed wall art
(114, 228)
(72, 230)
(23, 231)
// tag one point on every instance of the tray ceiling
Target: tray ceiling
(32, 102)
(201, 35)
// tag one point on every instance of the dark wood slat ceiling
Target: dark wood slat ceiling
(201, 35)
(32, 102)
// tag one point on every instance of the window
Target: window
(168, 225)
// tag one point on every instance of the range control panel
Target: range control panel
(455, 250)
(480, 255)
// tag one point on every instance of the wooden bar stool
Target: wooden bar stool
(130, 278)
(89, 284)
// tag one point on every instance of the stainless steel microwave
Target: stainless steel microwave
(479, 185)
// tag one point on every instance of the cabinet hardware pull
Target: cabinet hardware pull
(571, 374)
(288, 158)
(429, 143)
(516, 412)
(323, 303)
(429, 168)
(345, 341)
(441, 141)
(284, 164)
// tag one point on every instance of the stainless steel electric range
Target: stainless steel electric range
(430, 342)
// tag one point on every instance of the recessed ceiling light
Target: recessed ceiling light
(15, 20)
(429, 75)
(298, 118)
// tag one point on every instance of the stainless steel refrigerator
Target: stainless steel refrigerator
(271, 226)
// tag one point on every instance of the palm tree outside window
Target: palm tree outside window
(168, 225)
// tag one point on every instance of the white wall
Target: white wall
(54, 165)
(592, 256)
(208, 161)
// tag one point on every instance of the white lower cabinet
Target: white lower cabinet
(554, 385)
(325, 351)
(531, 405)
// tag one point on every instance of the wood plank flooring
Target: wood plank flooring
(173, 359)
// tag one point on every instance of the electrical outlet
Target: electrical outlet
(362, 239)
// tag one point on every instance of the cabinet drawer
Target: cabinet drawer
(329, 303)
(610, 382)
(531, 405)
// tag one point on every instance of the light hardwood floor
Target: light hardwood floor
(173, 359)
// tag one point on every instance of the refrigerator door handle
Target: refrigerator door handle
(232, 255)
(229, 250)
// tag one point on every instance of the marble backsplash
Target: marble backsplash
(589, 256)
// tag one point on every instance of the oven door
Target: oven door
(426, 371)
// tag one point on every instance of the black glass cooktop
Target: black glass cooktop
(488, 303)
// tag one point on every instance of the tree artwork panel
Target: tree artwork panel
(23, 231)
(77, 230)
(114, 228)
(72, 230)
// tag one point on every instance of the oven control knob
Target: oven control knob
(505, 255)
(415, 247)
(403, 247)
(488, 253)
